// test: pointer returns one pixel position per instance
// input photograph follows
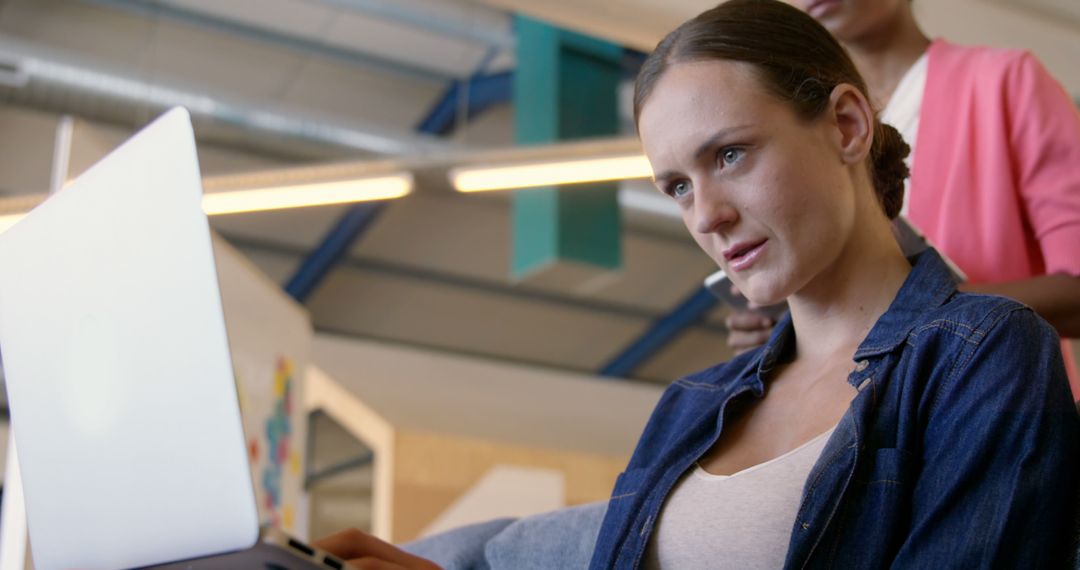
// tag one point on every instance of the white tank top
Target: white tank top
(741, 521)
(903, 110)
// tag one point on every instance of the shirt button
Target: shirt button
(862, 365)
(806, 526)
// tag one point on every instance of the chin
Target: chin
(767, 293)
(840, 26)
(766, 301)
(765, 298)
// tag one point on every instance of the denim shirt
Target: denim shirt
(959, 449)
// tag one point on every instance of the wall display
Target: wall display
(270, 338)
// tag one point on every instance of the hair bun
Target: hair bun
(890, 170)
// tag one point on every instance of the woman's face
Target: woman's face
(765, 194)
(855, 20)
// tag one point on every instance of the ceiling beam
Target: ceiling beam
(261, 34)
(637, 24)
(640, 24)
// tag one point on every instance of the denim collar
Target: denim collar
(927, 287)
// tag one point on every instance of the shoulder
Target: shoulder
(985, 348)
(986, 66)
(980, 335)
(981, 58)
(972, 317)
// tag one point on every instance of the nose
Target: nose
(712, 210)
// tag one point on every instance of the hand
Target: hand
(747, 330)
(365, 552)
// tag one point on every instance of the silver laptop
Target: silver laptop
(123, 402)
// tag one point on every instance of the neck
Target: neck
(884, 55)
(834, 313)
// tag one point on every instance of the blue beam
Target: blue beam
(481, 93)
(660, 333)
(485, 91)
(334, 246)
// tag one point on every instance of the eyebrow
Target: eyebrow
(704, 148)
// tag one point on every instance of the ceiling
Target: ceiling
(279, 83)
(1050, 28)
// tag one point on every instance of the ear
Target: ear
(854, 120)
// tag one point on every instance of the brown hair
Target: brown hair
(798, 61)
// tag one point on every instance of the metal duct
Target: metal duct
(32, 76)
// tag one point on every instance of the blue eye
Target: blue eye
(730, 155)
(678, 189)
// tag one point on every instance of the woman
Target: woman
(890, 420)
(995, 180)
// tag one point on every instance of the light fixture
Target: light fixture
(549, 173)
(308, 194)
(272, 198)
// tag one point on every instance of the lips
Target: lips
(743, 254)
(741, 249)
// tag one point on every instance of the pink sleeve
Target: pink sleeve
(1045, 133)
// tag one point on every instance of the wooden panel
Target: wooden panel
(432, 470)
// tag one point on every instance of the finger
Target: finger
(747, 321)
(735, 291)
(355, 544)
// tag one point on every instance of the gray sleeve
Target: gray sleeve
(461, 548)
(560, 539)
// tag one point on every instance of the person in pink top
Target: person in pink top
(995, 182)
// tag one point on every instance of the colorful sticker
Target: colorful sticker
(278, 432)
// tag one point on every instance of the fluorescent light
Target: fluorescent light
(279, 198)
(305, 195)
(480, 179)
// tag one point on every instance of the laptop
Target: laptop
(123, 402)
